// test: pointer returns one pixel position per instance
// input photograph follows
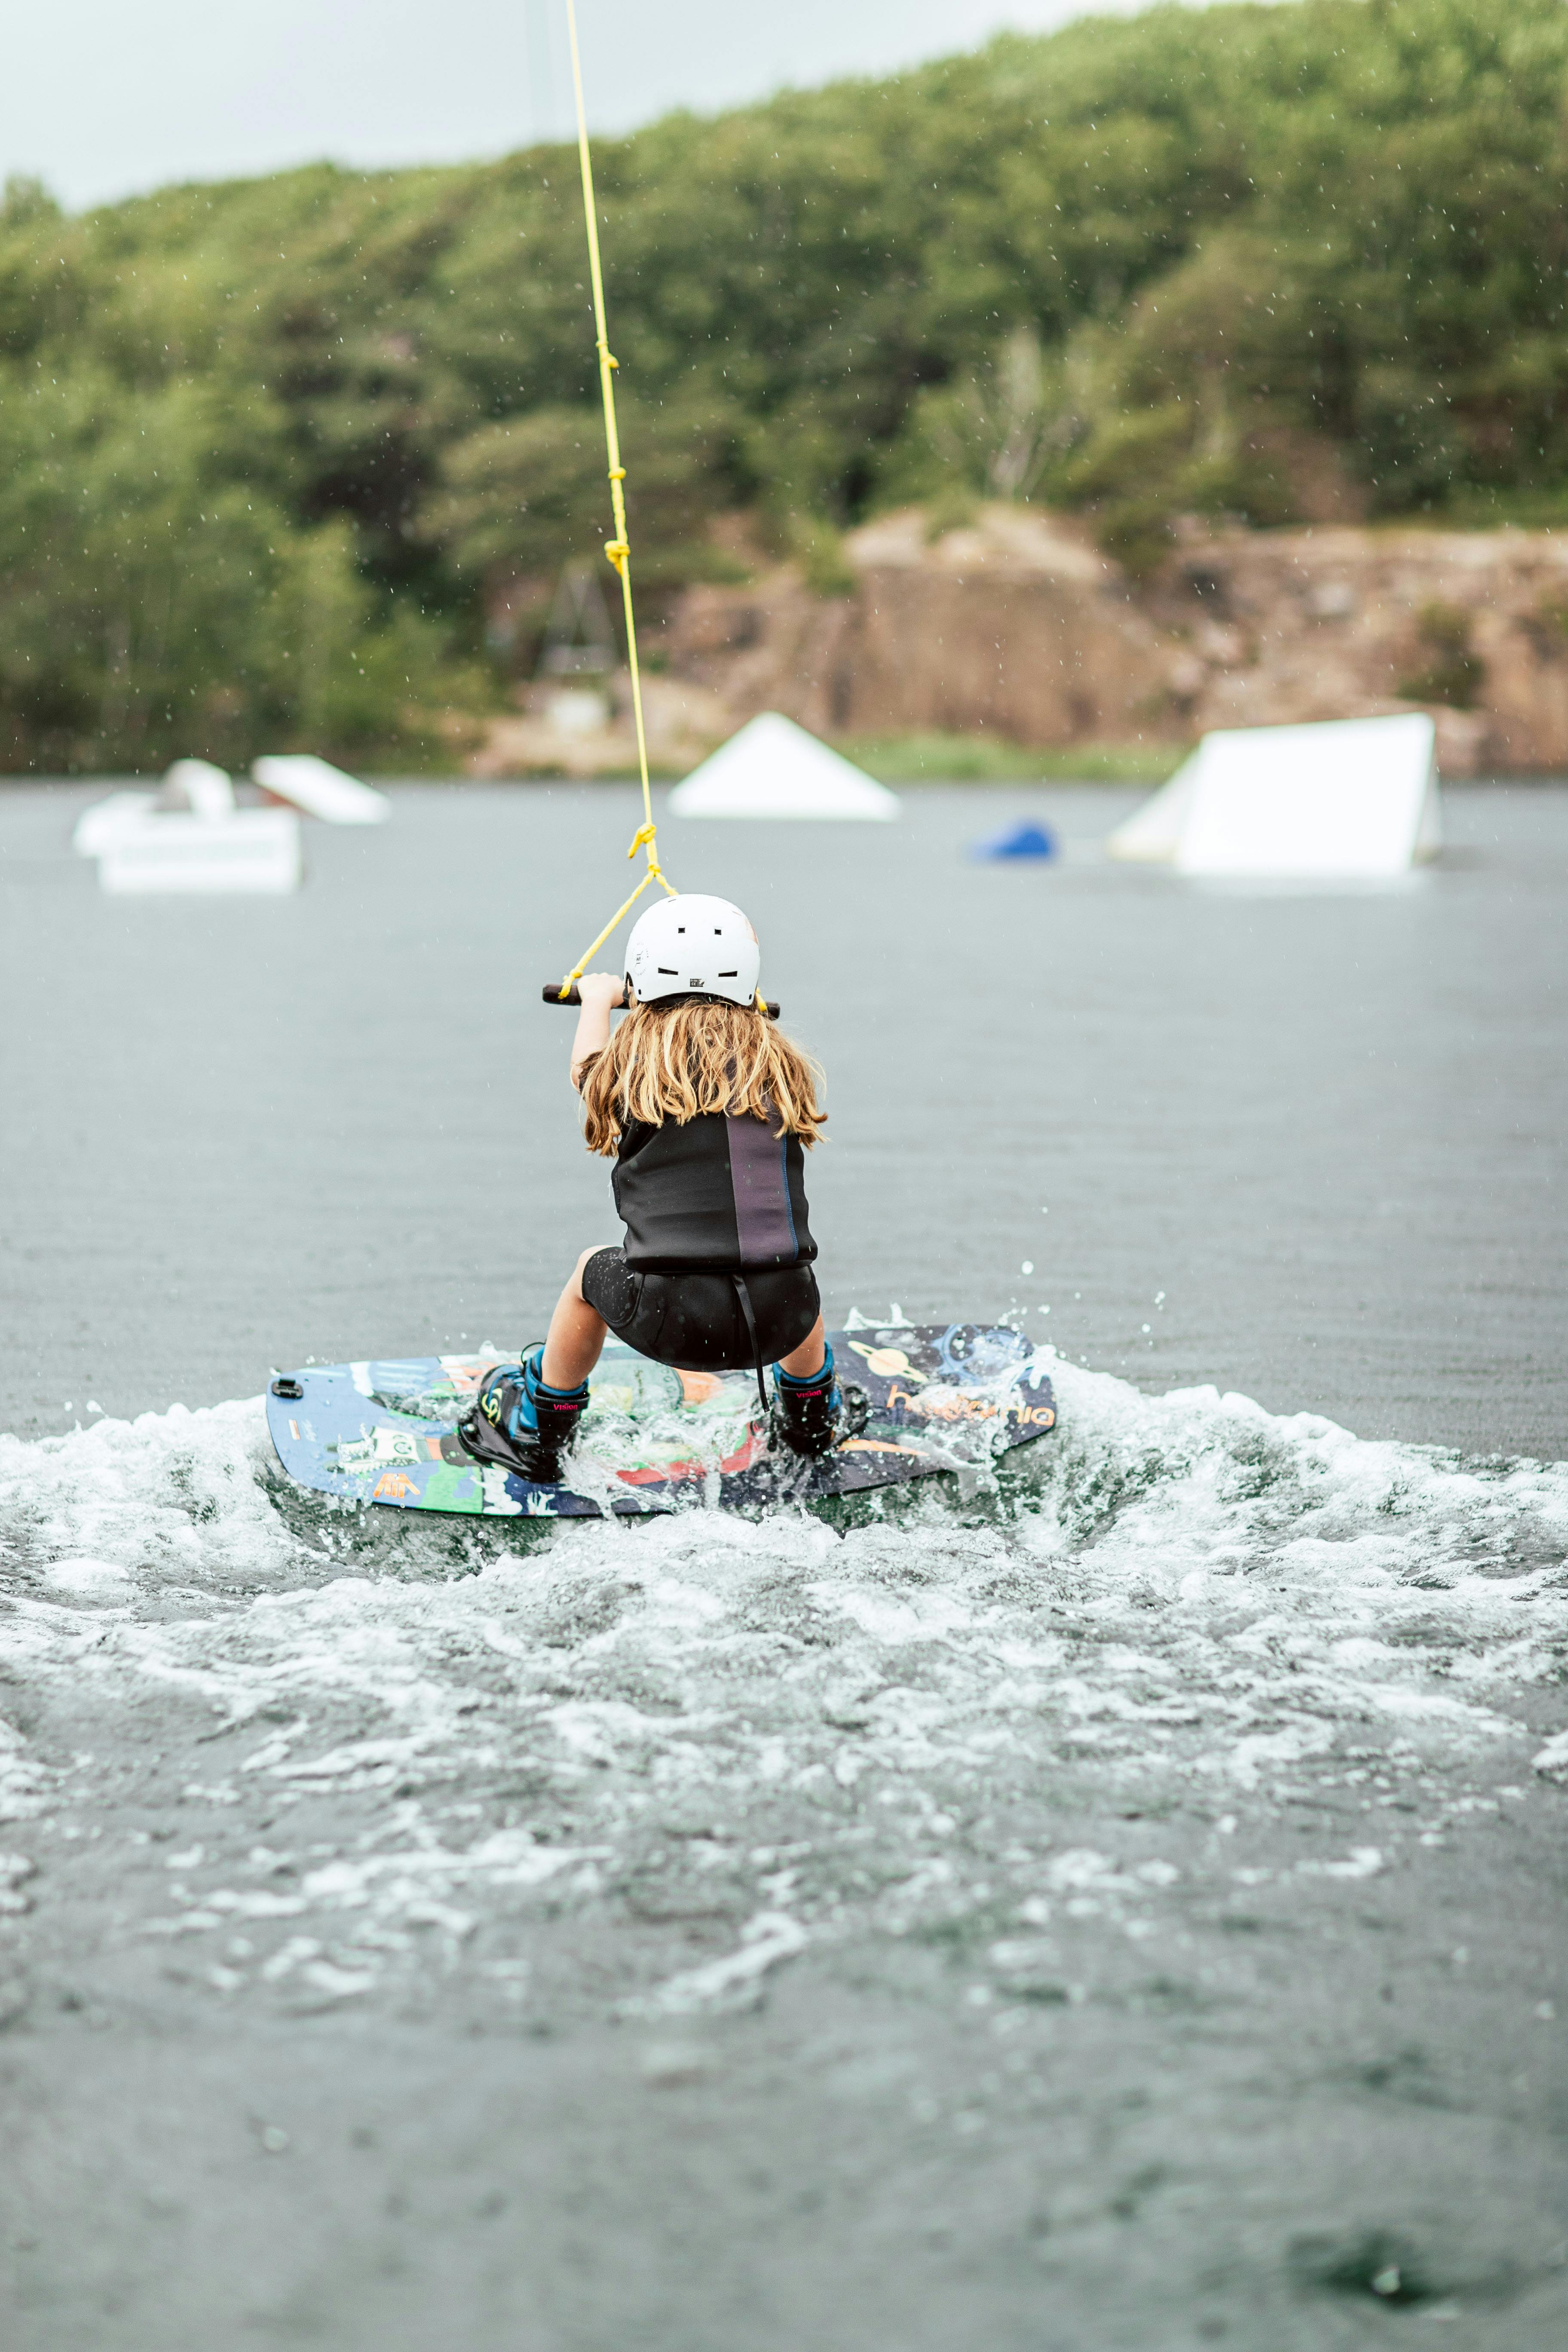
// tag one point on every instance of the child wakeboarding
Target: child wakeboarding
(708, 1112)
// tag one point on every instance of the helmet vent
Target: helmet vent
(667, 971)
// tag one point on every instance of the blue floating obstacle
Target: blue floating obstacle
(1025, 839)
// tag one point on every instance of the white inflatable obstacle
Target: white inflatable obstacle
(320, 789)
(1351, 799)
(774, 769)
(188, 838)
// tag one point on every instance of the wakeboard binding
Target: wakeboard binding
(809, 1417)
(519, 1421)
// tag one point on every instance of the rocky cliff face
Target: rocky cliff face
(1017, 624)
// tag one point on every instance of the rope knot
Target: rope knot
(617, 551)
(643, 833)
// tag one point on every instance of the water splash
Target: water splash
(410, 1748)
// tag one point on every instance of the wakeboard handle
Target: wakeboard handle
(552, 996)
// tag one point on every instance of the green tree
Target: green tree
(1125, 266)
(158, 605)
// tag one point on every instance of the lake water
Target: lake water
(917, 1848)
(1313, 1143)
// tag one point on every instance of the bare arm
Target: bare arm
(601, 992)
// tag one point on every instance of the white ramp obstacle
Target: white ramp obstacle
(1153, 834)
(188, 839)
(320, 789)
(774, 769)
(194, 786)
(1348, 800)
(254, 852)
(198, 789)
(102, 824)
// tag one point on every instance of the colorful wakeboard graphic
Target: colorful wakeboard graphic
(653, 1440)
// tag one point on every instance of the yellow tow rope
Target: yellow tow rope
(618, 550)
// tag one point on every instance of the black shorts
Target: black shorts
(694, 1319)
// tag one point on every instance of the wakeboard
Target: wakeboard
(939, 1397)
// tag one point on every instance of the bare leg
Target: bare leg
(809, 1358)
(575, 1337)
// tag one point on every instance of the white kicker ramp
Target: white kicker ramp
(774, 769)
(1350, 800)
(1153, 834)
(320, 789)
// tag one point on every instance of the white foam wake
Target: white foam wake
(1182, 1593)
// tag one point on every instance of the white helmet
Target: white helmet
(693, 946)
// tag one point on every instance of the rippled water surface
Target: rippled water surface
(1120, 1886)
(1307, 1147)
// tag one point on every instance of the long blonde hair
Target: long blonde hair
(675, 1062)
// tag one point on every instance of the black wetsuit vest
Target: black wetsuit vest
(713, 1191)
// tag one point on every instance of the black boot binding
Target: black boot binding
(519, 1422)
(811, 1416)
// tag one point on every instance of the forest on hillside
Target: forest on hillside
(266, 445)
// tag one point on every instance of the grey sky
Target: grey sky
(101, 100)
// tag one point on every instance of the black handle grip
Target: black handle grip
(552, 996)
